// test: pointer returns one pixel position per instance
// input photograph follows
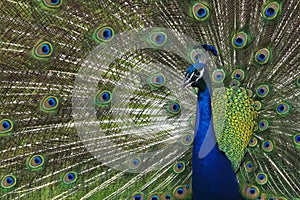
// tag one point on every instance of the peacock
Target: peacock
(150, 99)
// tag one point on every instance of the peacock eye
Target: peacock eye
(218, 75)
(200, 11)
(153, 197)
(262, 90)
(179, 167)
(261, 178)
(263, 124)
(271, 10)
(262, 56)
(283, 108)
(49, 104)
(70, 177)
(53, 3)
(8, 181)
(138, 197)
(296, 140)
(268, 146)
(104, 34)
(253, 142)
(103, 98)
(42, 49)
(298, 81)
(240, 40)
(173, 107)
(36, 162)
(250, 167)
(238, 74)
(157, 80)
(187, 139)
(257, 105)
(157, 38)
(6, 126)
(135, 163)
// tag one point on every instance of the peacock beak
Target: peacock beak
(192, 77)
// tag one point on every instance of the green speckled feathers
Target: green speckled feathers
(74, 125)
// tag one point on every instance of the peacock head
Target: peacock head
(194, 76)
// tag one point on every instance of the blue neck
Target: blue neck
(213, 176)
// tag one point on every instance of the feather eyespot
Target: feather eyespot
(238, 74)
(166, 196)
(250, 192)
(262, 56)
(262, 90)
(192, 121)
(298, 81)
(42, 49)
(257, 105)
(268, 146)
(283, 108)
(135, 163)
(187, 139)
(173, 107)
(234, 83)
(138, 196)
(253, 142)
(263, 125)
(261, 178)
(53, 3)
(271, 10)
(200, 11)
(70, 177)
(157, 38)
(49, 104)
(6, 127)
(249, 166)
(8, 181)
(179, 167)
(104, 34)
(36, 162)
(296, 140)
(218, 75)
(157, 81)
(198, 56)
(240, 40)
(103, 98)
(180, 192)
(154, 197)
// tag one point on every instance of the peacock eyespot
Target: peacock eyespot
(240, 40)
(6, 127)
(257, 105)
(42, 49)
(138, 197)
(167, 197)
(104, 34)
(234, 83)
(157, 38)
(218, 75)
(250, 192)
(179, 167)
(173, 107)
(153, 197)
(262, 90)
(298, 81)
(198, 56)
(135, 163)
(296, 140)
(238, 74)
(262, 56)
(187, 139)
(253, 142)
(70, 177)
(263, 124)
(103, 98)
(283, 108)
(8, 181)
(261, 178)
(249, 166)
(200, 11)
(49, 104)
(36, 162)
(268, 146)
(157, 81)
(271, 10)
(52, 3)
